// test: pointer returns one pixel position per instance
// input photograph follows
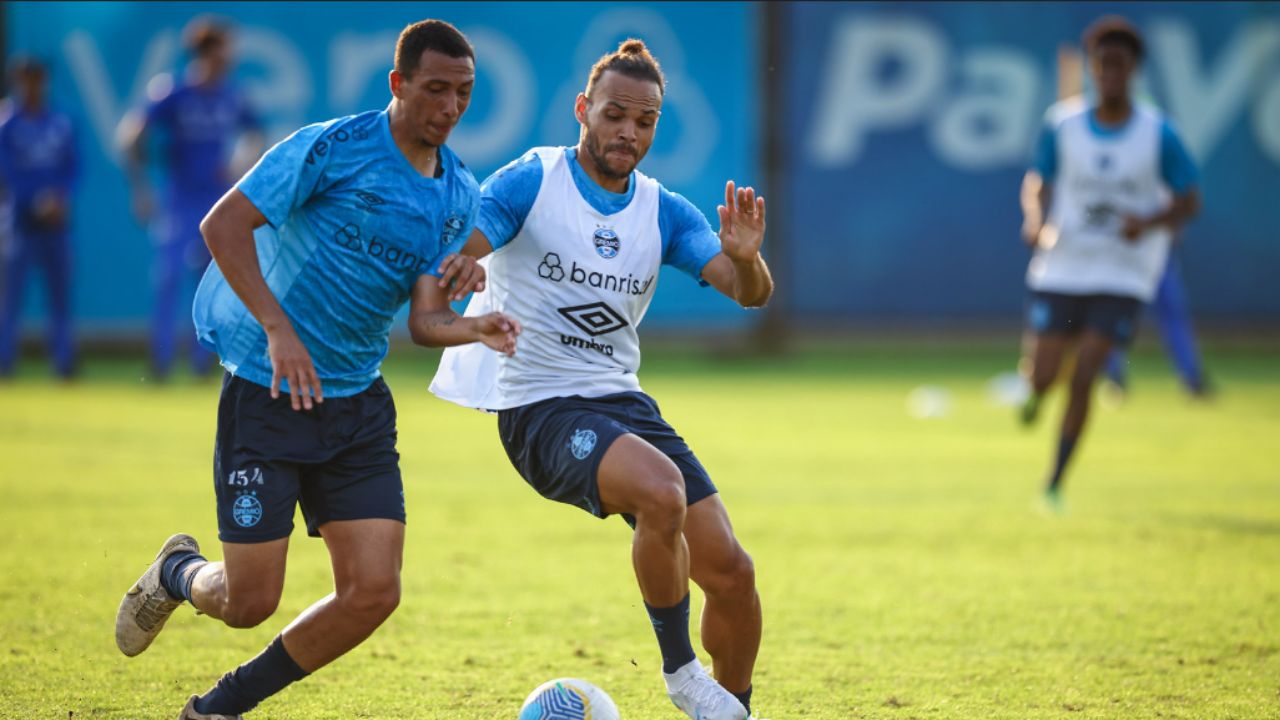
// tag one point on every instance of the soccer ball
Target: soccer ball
(568, 699)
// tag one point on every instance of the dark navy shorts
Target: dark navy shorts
(557, 444)
(338, 460)
(1112, 316)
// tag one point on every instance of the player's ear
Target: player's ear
(394, 79)
(580, 108)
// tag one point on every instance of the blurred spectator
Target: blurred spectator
(209, 137)
(38, 165)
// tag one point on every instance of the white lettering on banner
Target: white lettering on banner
(284, 93)
(515, 100)
(102, 105)
(995, 124)
(992, 120)
(1266, 119)
(1205, 104)
(355, 61)
(852, 101)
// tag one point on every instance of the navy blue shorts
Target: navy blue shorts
(557, 444)
(338, 460)
(1112, 316)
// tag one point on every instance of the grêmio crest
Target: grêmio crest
(607, 243)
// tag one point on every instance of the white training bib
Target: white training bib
(579, 282)
(1101, 179)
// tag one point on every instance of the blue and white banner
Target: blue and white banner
(304, 62)
(910, 126)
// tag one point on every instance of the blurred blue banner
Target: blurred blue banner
(911, 124)
(304, 62)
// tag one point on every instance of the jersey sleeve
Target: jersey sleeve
(506, 197)
(1176, 166)
(1044, 159)
(688, 242)
(158, 112)
(246, 118)
(289, 174)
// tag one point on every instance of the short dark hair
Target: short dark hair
(632, 59)
(1113, 30)
(205, 33)
(436, 35)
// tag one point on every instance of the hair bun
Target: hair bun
(632, 46)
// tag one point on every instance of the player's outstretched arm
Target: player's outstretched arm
(1183, 207)
(228, 231)
(739, 271)
(432, 323)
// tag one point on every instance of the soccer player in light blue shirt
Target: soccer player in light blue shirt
(333, 231)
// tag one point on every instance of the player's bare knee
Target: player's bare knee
(249, 611)
(663, 505)
(373, 598)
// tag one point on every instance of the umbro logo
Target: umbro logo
(595, 319)
(370, 201)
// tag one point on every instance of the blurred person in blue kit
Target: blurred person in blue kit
(210, 136)
(1110, 185)
(38, 165)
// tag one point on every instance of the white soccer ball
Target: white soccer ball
(568, 699)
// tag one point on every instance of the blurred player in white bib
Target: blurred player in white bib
(1110, 183)
(573, 240)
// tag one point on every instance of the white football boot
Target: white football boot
(189, 713)
(148, 605)
(700, 697)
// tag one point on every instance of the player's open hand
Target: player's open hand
(1133, 227)
(290, 361)
(741, 223)
(498, 331)
(462, 274)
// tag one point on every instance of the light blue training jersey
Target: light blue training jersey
(351, 227)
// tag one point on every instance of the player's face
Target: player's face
(435, 94)
(618, 122)
(32, 84)
(1112, 65)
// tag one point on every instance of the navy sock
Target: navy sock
(174, 575)
(671, 625)
(240, 690)
(1066, 445)
(744, 697)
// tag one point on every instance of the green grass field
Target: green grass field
(903, 568)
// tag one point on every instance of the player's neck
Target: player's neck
(1114, 112)
(424, 158)
(588, 165)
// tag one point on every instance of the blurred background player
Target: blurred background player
(38, 164)
(1110, 183)
(575, 239)
(209, 136)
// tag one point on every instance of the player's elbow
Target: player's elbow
(420, 334)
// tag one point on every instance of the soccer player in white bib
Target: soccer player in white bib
(1111, 182)
(573, 239)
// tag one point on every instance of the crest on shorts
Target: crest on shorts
(607, 243)
(582, 443)
(246, 510)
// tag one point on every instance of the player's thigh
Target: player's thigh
(255, 572)
(256, 483)
(357, 475)
(366, 555)
(558, 445)
(717, 561)
(635, 477)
